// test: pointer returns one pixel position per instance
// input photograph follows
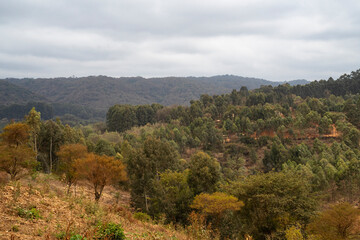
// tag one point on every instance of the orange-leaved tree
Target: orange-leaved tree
(15, 154)
(67, 154)
(100, 171)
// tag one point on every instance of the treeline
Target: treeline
(130, 116)
(69, 113)
(346, 84)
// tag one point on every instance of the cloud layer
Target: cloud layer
(271, 39)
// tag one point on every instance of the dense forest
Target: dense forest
(85, 100)
(270, 163)
(101, 92)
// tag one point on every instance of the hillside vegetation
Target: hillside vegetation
(102, 92)
(38, 207)
(251, 164)
(13, 94)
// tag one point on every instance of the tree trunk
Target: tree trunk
(98, 193)
(13, 172)
(146, 203)
(50, 155)
(35, 146)
(68, 189)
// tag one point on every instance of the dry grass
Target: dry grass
(61, 214)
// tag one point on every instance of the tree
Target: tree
(100, 171)
(273, 201)
(160, 154)
(294, 233)
(67, 155)
(204, 173)
(72, 135)
(216, 203)
(121, 118)
(205, 130)
(15, 134)
(144, 165)
(33, 119)
(324, 126)
(219, 209)
(51, 137)
(340, 221)
(172, 196)
(145, 114)
(274, 158)
(14, 152)
(103, 147)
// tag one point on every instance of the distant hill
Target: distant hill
(298, 82)
(101, 92)
(13, 94)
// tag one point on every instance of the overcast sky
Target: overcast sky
(270, 39)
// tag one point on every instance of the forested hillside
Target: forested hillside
(346, 84)
(102, 92)
(13, 94)
(251, 164)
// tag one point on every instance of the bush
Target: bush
(15, 228)
(78, 237)
(142, 217)
(31, 213)
(91, 208)
(68, 235)
(110, 231)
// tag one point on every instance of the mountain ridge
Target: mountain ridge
(102, 92)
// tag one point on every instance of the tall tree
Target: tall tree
(172, 196)
(33, 119)
(51, 137)
(204, 173)
(121, 118)
(273, 201)
(144, 165)
(15, 154)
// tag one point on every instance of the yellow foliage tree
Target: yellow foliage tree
(216, 203)
(294, 233)
(340, 222)
(100, 171)
(16, 134)
(214, 206)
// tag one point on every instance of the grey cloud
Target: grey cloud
(272, 39)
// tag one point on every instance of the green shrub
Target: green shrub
(142, 217)
(91, 208)
(60, 235)
(15, 228)
(63, 235)
(31, 213)
(110, 231)
(78, 237)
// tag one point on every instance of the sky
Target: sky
(276, 40)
